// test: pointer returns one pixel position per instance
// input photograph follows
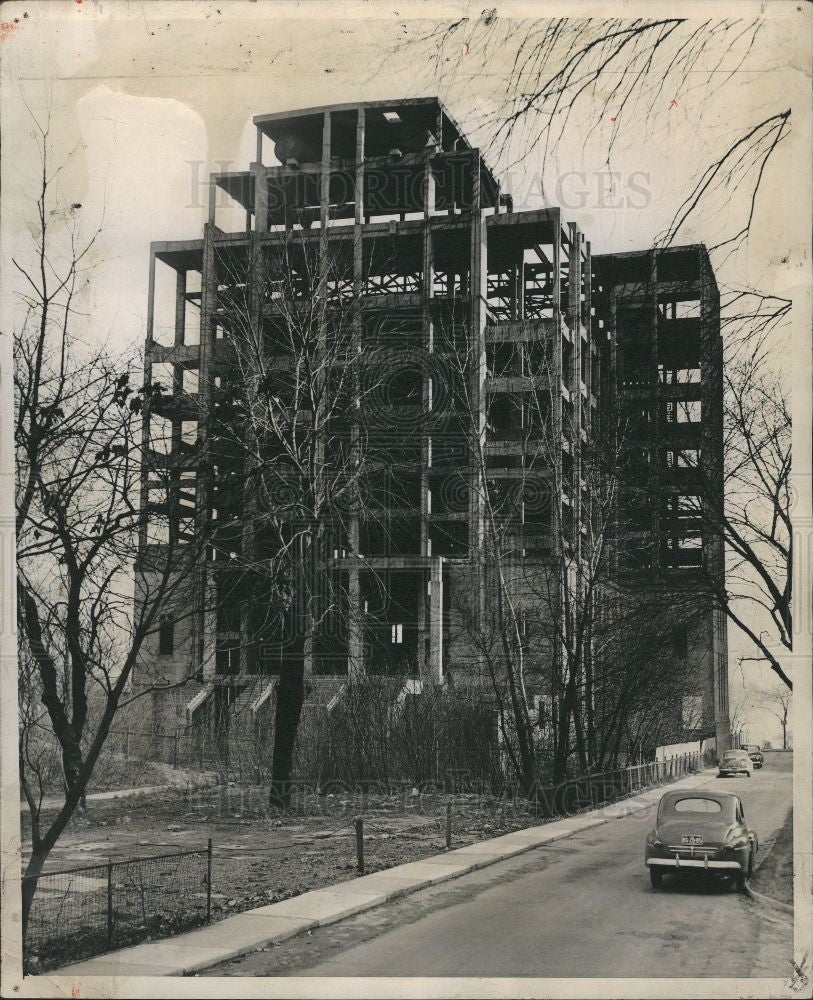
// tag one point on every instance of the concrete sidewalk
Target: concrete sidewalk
(254, 929)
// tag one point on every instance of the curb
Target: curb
(761, 898)
(175, 956)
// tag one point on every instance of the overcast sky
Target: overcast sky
(150, 96)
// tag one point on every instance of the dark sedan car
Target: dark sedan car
(734, 762)
(701, 831)
(754, 751)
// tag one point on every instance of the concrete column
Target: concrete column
(355, 637)
(145, 417)
(206, 589)
(558, 376)
(428, 338)
(477, 348)
(574, 377)
(477, 386)
(180, 306)
(436, 666)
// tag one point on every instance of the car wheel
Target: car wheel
(656, 878)
(739, 881)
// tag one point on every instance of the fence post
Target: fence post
(109, 905)
(209, 881)
(358, 822)
(175, 751)
(448, 824)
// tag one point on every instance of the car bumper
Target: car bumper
(694, 863)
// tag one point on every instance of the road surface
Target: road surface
(579, 907)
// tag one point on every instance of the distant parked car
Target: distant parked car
(701, 831)
(734, 762)
(754, 751)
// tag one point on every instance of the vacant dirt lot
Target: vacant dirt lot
(285, 854)
(260, 856)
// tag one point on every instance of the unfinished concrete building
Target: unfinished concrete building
(664, 308)
(480, 327)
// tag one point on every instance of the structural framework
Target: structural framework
(451, 363)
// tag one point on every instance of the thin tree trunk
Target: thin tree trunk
(563, 736)
(290, 698)
(32, 873)
(581, 747)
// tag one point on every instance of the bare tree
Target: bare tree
(578, 667)
(580, 73)
(78, 454)
(756, 519)
(289, 422)
(584, 72)
(777, 701)
(753, 512)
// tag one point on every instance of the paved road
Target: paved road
(580, 907)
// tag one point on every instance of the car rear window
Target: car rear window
(697, 806)
(734, 754)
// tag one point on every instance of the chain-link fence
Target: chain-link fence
(78, 912)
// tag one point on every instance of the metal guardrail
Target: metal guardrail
(79, 912)
(609, 786)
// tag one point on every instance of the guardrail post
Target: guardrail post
(448, 824)
(109, 905)
(209, 881)
(358, 822)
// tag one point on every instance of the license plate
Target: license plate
(691, 840)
